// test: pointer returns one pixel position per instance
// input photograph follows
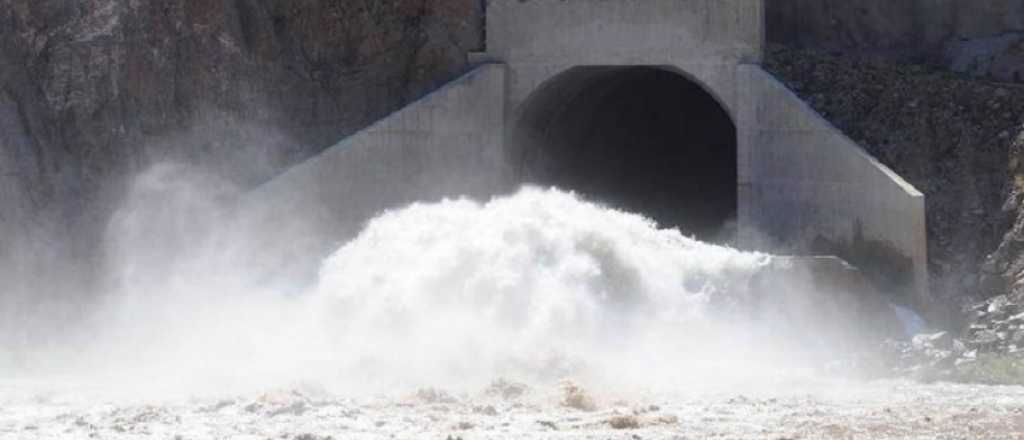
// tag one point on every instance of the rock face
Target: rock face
(1003, 271)
(949, 136)
(984, 38)
(105, 86)
(94, 91)
(990, 349)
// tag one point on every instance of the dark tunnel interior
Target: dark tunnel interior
(641, 139)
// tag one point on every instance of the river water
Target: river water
(604, 325)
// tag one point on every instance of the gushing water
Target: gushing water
(191, 340)
(537, 286)
(540, 283)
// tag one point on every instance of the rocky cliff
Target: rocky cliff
(981, 37)
(92, 91)
(95, 91)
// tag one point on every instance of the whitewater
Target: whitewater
(534, 314)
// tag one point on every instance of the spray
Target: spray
(537, 286)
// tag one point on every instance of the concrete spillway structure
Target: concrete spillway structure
(655, 106)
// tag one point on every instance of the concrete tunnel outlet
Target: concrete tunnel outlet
(644, 139)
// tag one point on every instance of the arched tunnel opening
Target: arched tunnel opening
(643, 139)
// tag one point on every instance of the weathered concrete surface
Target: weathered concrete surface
(626, 30)
(444, 145)
(539, 39)
(806, 187)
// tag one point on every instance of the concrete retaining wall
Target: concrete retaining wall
(807, 188)
(444, 145)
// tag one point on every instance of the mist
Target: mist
(538, 286)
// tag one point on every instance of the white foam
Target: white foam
(535, 286)
(540, 283)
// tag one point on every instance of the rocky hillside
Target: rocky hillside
(949, 135)
(983, 38)
(1003, 271)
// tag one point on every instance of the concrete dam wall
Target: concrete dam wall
(654, 106)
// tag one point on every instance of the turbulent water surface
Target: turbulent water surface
(598, 324)
(808, 409)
